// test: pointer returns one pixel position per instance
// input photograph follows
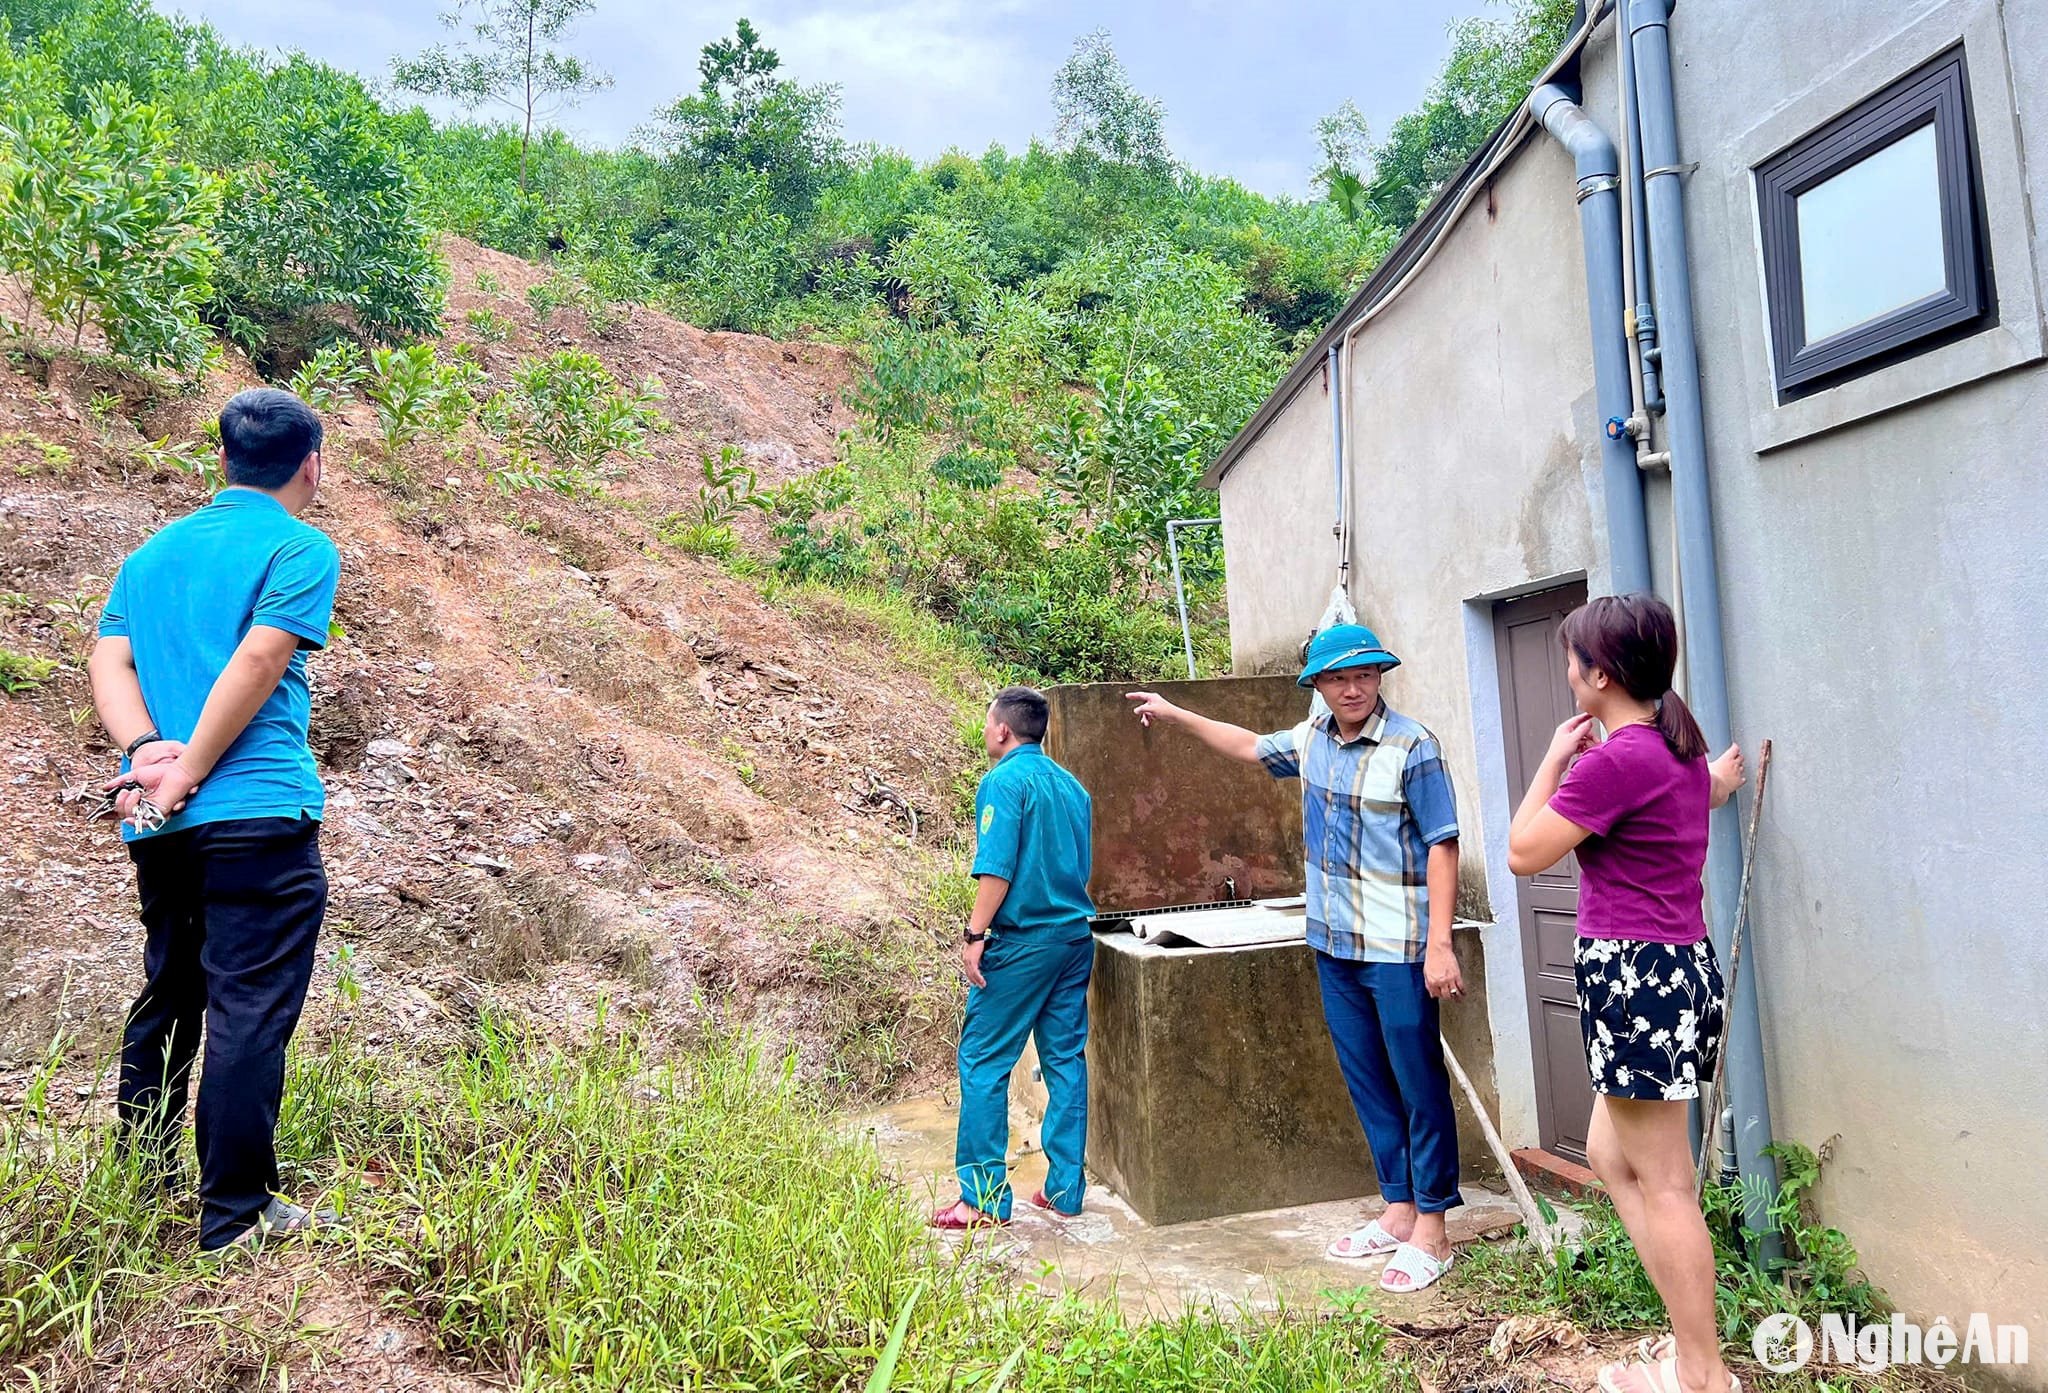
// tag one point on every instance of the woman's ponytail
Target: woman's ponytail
(1680, 731)
(1634, 640)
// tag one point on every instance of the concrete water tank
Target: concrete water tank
(1212, 1085)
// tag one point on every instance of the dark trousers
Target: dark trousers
(1383, 1022)
(232, 911)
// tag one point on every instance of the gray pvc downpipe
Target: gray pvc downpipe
(1699, 573)
(1599, 174)
(1646, 316)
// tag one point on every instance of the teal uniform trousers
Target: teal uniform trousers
(1037, 986)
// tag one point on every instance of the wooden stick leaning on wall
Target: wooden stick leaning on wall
(1711, 1119)
(1539, 1228)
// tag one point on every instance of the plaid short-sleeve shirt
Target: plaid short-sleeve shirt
(1371, 808)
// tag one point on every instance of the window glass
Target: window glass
(1870, 237)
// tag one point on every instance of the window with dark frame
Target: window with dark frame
(1873, 233)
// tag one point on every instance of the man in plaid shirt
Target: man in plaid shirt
(1380, 831)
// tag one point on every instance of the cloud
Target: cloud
(919, 76)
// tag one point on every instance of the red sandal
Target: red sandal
(951, 1219)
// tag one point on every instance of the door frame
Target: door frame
(1548, 1107)
(1507, 984)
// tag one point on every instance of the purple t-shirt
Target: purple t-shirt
(1639, 873)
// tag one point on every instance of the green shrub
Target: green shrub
(23, 672)
(46, 456)
(729, 487)
(814, 545)
(1601, 1283)
(729, 252)
(1070, 620)
(942, 269)
(319, 230)
(488, 324)
(1131, 462)
(545, 297)
(327, 378)
(414, 392)
(568, 408)
(99, 222)
(185, 457)
(920, 381)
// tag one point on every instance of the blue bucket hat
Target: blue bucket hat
(1342, 646)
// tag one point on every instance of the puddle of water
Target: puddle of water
(1245, 1261)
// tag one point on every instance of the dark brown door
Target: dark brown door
(1534, 699)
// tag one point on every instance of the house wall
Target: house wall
(1883, 586)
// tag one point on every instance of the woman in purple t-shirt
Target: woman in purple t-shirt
(1651, 1002)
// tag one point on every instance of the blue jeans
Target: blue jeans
(1036, 987)
(1383, 1022)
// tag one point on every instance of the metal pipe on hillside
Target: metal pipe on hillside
(1180, 594)
(1699, 573)
(1599, 174)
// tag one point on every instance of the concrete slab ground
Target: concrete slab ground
(1254, 1262)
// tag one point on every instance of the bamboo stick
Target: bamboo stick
(1539, 1229)
(1710, 1123)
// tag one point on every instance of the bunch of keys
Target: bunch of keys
(148, 816)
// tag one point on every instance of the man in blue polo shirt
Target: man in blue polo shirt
(1380, 832)
(1027, 957)
(199, 676)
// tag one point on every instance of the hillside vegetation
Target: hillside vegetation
(1054, 342)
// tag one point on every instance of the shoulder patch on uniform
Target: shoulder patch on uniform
(988, 818)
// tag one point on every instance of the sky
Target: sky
(1243, 81)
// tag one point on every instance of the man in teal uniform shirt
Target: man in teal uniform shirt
(1027, 957)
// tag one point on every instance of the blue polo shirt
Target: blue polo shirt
(1032, 827)
(185, 600)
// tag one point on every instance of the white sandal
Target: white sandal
(1420, 1268)
(1647, 1351)
(1657, 1376)
(1372, 1241)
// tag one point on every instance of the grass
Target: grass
(891, 998)
(1601, 1284)
(595, 1219)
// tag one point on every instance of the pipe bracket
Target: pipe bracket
(1603, 183)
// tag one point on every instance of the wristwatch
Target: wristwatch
(972, 937)
(139, 741)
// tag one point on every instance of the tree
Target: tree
(742, 65)
(320, 231)
(99, 223)
(744, 119)
(1346, 142)
(1102, 116)
(507, 59)
(1492, 65)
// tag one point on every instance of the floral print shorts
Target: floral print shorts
(1653, 1015)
